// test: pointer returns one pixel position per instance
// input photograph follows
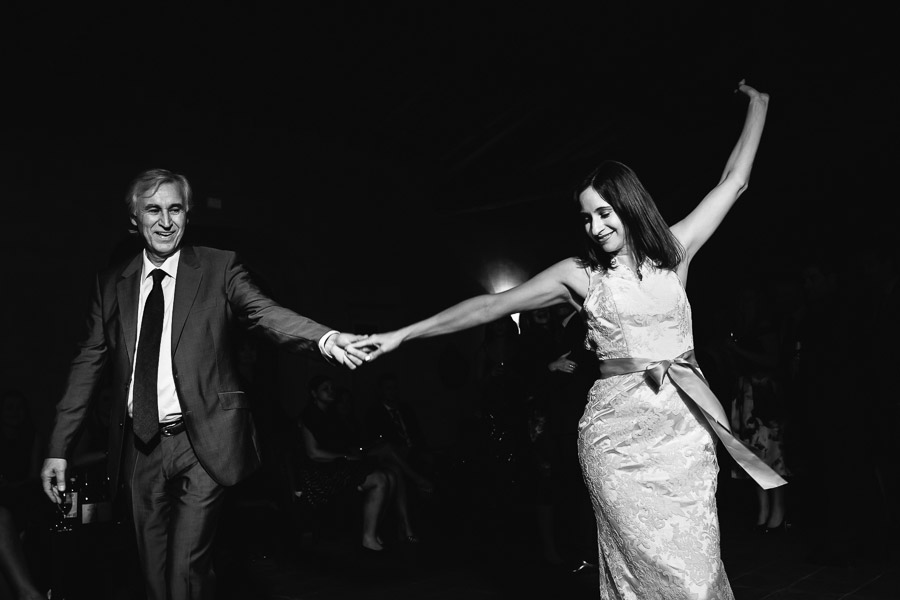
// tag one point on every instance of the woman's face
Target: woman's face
(602, 224)
(325, 392)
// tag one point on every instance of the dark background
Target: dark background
(375, 162)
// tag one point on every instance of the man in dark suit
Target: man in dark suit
(180, 425)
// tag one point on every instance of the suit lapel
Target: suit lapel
(186, 287)
(128, 295)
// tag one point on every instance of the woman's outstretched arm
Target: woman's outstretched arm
(556, 284)
(699, 225)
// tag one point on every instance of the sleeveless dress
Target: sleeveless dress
(648, 459)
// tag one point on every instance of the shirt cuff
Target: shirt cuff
(322, 342)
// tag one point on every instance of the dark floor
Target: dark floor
(758, 567)
(497, 561)
(489, 552)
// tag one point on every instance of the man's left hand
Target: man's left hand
(338, 346)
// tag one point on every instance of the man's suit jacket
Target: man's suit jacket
(213, 291)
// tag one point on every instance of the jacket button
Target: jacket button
(121, 424)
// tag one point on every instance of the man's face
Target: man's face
(161, 220)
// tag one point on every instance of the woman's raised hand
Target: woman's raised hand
(750, 91)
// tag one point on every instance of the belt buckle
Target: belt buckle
(171, 429)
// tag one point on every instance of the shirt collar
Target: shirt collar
(170, 266)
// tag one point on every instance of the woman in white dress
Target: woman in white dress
(647, 437)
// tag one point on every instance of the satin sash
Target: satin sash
(685, 375)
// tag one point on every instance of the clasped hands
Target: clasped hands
(352, 350)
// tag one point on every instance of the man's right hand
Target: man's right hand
(339, 347)
(53, 478)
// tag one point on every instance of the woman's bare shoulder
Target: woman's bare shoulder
(572, 273)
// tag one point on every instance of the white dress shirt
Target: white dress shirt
(169, 408)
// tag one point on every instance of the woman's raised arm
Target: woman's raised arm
(699, 225)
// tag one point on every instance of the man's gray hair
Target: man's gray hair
(146, 184)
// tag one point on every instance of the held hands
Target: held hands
(340, 347)
(377, 344)
(53, 478)
(353, 350)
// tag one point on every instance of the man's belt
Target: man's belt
(685, 375)
(172, 427)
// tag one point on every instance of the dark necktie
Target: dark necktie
(145, 404)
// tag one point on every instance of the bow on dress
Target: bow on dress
(684, 373)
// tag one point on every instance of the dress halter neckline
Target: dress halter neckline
(614, 264)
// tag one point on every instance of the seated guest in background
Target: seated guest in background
(345, 408)
(390, 458)
(395, 434)
(337, 463)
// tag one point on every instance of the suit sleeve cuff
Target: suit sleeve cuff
(322, 341)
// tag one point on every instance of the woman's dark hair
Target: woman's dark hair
(649, 235)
